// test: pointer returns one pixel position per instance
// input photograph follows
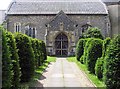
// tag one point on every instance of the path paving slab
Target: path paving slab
(64, 74)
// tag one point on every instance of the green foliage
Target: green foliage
(88, 40)
(93, 53)
(7, 73)
(39, 49)
(112, 64)
(44, 51)
(106, 43)
(80, 48)
(26, 56)
(81, 59)
(35, 46)
(20, 56)
(99, 68)
(40, 53)
(15, 60)
(93, 33)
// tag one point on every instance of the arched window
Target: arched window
(17, 27)
(30, 31)
(85, 27)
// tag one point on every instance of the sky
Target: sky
(4, 4)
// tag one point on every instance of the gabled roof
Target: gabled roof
(61, 19)
(53, 7)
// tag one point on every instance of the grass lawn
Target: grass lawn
(38, 73)
(51, 59)
(92, 77)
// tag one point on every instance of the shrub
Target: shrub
(82, 60)
(7, 73)
(80, 49)
(99, 68)
(86, 49)
(35, 46)
(106, 43)
(93, 33)
(15, 60)
(39, 49)
(100, 64)
(26, 56)
(112, 64)
(94, 52)
(40, 53)
(44, 51)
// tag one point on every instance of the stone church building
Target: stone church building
(59, 23)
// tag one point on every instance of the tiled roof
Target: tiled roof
(50, 7)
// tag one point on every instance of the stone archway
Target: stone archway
(61, 45)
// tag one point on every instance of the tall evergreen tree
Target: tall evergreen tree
(112, 64)
(7, 73)
(15, 60)
(26, 56)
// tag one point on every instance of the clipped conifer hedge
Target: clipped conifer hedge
(93, 53)
(15, 60)
(35, 46)
(80, 48)
(39, 49)
(26, 56)
(7, 72)
(40, 53)
(106, 43)
(94, 33)
(112, 64)
(21, 54)
(88, 40)
(99, 68)
(44, 51)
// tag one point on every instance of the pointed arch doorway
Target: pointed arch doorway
(61, 45)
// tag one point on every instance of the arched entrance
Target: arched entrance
(61, 45)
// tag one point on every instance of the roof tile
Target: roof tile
(55, 7)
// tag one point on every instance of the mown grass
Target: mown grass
(38, 74)
(92, 77)
(51, 59)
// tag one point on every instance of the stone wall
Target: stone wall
(99, 21)
(114, 14)
(39, 21)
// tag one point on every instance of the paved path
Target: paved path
(63, 74)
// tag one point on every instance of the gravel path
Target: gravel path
(63, 74)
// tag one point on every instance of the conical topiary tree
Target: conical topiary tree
(40, 53)
(93, 33)
(7, 73)
(94, 52)
(26, 56)
(106, 43)
(99, 68)
(112, 64)
(15, 60)
(88, 40)
(35, 49)
(44, 51)
(80, 48)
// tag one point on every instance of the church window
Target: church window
(30, 31)
(85, 27)
(17, 27)
(76, 25)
